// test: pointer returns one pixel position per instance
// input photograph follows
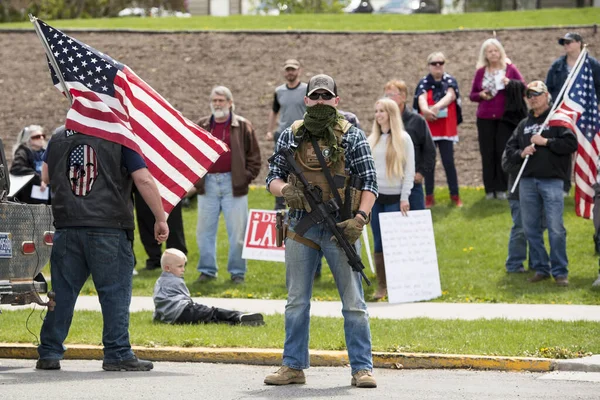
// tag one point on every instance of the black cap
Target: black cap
(572, 36)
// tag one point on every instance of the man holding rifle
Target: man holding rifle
(334, 160)
(541, 185)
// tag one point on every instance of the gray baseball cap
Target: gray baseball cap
(572, 36)
(321, 81)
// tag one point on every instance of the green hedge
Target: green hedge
(18, 10)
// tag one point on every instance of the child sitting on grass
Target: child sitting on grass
(174, 305)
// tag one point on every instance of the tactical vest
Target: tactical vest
(90, 187)
(309, 163)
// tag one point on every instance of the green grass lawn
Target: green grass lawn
(344, 22)
(471, 248)
(550, 339)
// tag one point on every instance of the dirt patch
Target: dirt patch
(184, 67)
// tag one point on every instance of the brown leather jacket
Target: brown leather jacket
(245, 154)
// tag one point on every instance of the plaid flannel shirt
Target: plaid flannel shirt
(359, 160)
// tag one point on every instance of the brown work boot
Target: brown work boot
(363, 379)
(538, 278)
(285, 376)
(381, 291)
(562, 281)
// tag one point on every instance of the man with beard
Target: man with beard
(288, 102)
(324, 143)
(225, 187)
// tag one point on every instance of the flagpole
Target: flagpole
(51, 58)
(552, 111)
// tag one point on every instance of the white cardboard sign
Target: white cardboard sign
(410, 256)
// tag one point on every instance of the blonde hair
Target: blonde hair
(483, 61)
(171, 256)
(436, 54)
(394, 154)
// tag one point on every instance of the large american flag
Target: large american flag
(110, 101)
(578, 111)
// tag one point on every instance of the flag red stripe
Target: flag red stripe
(133, 79)
(184, 143)
(92, 96)
(169, 157)
(181, 141)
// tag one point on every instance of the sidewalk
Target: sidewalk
(466, 311)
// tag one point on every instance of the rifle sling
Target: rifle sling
(300, 239)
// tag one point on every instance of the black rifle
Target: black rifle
(321, 212)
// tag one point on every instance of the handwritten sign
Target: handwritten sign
(411, 266)
(259, 242)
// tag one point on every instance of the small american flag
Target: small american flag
(578, 111)
(111, 102)
(82, 169)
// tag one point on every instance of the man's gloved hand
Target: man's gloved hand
(351, 228)
(294, 197)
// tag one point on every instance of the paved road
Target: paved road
(85, 379)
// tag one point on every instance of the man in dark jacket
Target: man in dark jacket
(225, 187)
(559, 71)
(541, 185)
(418, 130)
(91, 180)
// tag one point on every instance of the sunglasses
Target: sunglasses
(324, 96)
(437, 63)
(565, 41)
(38, 137)
(531, 95)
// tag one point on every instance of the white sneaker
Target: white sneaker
(501, 196)
(596, 282)
(134, 273)
(489, 196)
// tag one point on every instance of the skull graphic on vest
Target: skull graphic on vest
(83, 169)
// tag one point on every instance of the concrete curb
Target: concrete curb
(317, 357)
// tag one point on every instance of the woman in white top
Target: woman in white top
(394, 157)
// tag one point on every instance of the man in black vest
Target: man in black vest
(91, 181)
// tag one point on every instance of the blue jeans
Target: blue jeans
(219, 197)
(105, 254)
(517, 243)
(375, 226)
(544, 197)
(416, 200)
(301, 262)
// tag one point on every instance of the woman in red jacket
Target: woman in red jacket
(437, 98)
(494, 72)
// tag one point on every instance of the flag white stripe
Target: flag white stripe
(170, 119)
(165, 140)
(168, 195)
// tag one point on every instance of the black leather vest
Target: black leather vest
(90, 187)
